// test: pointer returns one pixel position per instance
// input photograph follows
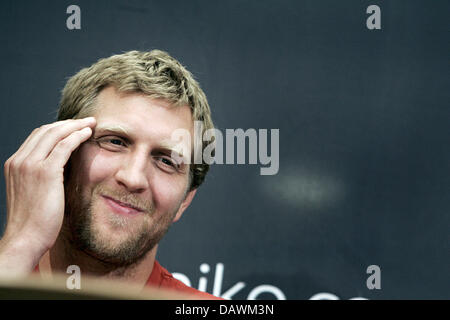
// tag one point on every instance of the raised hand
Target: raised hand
(35, 192)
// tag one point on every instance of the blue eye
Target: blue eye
(111, 143)
(116, 141)
(167, 162)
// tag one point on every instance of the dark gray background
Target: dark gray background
(363, 118)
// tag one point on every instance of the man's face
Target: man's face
(124, 188)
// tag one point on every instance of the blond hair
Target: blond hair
(155, 74)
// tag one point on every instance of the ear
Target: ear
(186, 202)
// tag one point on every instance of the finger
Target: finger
(33, 139)
(18, 157)
(45, 142)
(62, 151)
(6, 173)
(35, 135)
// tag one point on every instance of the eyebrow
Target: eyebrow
(113, 128)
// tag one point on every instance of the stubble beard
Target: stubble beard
(85, 233)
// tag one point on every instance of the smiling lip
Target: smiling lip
(120, 207)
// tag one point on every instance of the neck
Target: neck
(63, 254)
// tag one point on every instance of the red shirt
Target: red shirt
(161, 278)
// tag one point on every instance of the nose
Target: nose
(132, 173)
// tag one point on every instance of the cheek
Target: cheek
(93, 166)
(168, 191)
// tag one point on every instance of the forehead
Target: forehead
(140, 116)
